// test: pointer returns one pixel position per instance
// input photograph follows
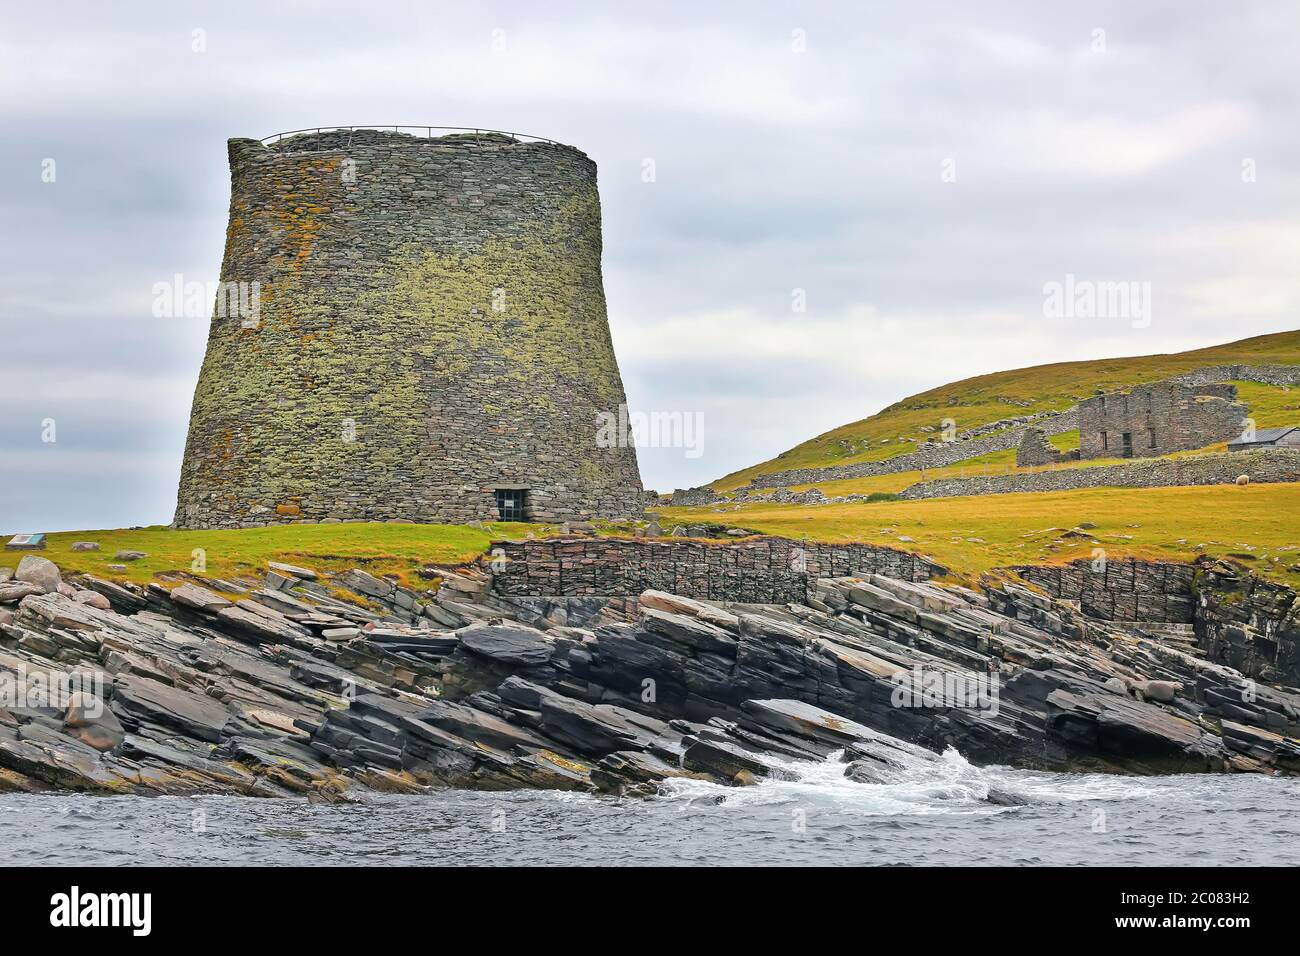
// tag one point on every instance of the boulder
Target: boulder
(722, 759)
(90, 721)
(130, 555)
(523, 646)
(92, 599)
(39, 571)
(1163, 691)
(84, 546)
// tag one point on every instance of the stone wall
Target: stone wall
(1035, 450)
(1239, 619)
(431, 327)
(753, 571)
(1121, 590)
(1264, 374)
(928, 455)
(1265, 465)
(1159, 419)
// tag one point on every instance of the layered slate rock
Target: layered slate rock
(524, 646)
(879, 673)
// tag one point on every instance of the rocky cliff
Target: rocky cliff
(332, 687)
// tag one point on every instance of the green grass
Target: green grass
(988, 398)
(1065, 441)
(400, 549)
(1270, 406)
(977, 534)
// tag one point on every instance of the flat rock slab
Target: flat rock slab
(289, 570)
(246, 620)
(199, 598)
(150, 701)
(523, 646)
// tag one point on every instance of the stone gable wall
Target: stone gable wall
(1035, 450)
(432, 326)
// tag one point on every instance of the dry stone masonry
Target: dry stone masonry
(762, 570)
(1266, 465)
(929, 455)
(430, 341)
(1121, 590)
(1159, 419)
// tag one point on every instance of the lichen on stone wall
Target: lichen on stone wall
(432, 324)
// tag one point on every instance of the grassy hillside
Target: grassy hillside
(988, 398)
(1257, 524)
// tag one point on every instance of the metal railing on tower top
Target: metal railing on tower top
(428, 131)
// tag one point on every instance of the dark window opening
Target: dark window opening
(1105, 442)
(1151, 438)
(510, 503)
(1128, 444)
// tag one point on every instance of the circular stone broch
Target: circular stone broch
(408, 327)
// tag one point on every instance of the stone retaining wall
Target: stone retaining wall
(1265, 465)
(1241, 619)
(754, 571)
(1121, 590)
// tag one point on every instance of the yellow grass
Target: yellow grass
(988, 398)
(976, 534)
(400, 549)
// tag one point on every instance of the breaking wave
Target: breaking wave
(949, 785)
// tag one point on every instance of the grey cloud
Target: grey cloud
(776, 170)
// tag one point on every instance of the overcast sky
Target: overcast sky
(919, 170)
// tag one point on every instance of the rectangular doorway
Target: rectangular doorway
(511, 503)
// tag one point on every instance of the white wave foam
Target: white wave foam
(950, 785)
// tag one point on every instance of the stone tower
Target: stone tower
(408, 327)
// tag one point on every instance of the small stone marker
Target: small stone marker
(26, 542)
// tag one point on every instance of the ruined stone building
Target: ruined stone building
(1158, 419)
(418, 332)
(1036, 449)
